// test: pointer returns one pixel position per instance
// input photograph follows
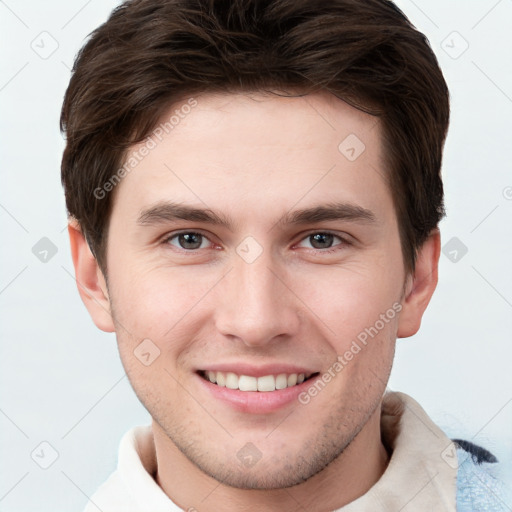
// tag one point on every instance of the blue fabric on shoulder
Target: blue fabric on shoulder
(478, 489)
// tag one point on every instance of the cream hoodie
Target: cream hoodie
(421, 474)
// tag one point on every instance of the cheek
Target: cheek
(361, 310)
(351, 299)
(156, 299)
(158, 304)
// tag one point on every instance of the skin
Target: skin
(256, 157)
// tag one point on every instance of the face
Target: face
(297, 260)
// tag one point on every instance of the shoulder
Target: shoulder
(115, 494)
(112, 495)
(478, 487)
(132, 487)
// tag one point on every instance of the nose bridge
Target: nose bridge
(256, 305)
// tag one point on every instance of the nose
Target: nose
(256, 303)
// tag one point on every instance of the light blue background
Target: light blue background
(61, 378)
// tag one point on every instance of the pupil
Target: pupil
(322, 238)
(188, 238)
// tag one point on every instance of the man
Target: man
(254, 195)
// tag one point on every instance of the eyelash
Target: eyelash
(344, 241)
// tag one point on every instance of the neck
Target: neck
(348, 477)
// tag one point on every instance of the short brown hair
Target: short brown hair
(151, 53)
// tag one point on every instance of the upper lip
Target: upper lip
(258, 371)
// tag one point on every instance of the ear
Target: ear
(90, 281)
(420, 286)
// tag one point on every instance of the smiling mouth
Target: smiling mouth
(265, 383)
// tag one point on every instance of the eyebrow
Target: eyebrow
(168, 212)
(330, 211)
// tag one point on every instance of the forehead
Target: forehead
(255, 152)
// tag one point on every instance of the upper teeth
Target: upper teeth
(248, 383)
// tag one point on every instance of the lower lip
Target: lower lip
(256, 402)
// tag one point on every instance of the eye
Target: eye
(323, 240)
(187, 240)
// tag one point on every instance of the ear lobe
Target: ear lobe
(90, 281)
(420, 286)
